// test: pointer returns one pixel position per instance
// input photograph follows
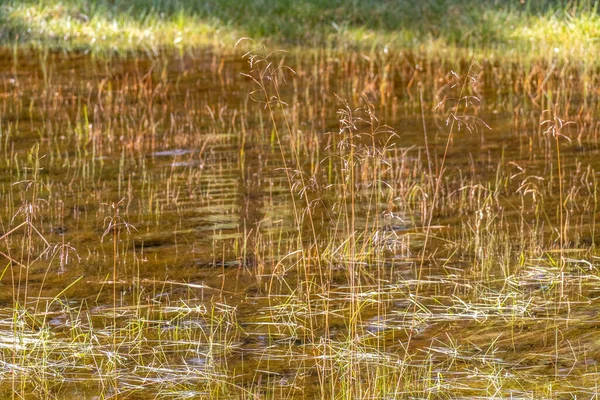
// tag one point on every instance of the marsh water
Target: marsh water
(170, 233)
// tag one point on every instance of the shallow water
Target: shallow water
(158, 249)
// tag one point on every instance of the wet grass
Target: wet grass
(320, 224)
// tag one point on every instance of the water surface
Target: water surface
(171, 234)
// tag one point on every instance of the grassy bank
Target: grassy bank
(493, 29)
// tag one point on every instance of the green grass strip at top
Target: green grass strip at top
(499, 29)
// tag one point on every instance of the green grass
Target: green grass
(493, 29)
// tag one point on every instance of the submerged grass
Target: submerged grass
(320, 224)
(499, 30)
(198, 226)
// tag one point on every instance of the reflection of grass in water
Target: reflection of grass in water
(497, 29)
(320, 299)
